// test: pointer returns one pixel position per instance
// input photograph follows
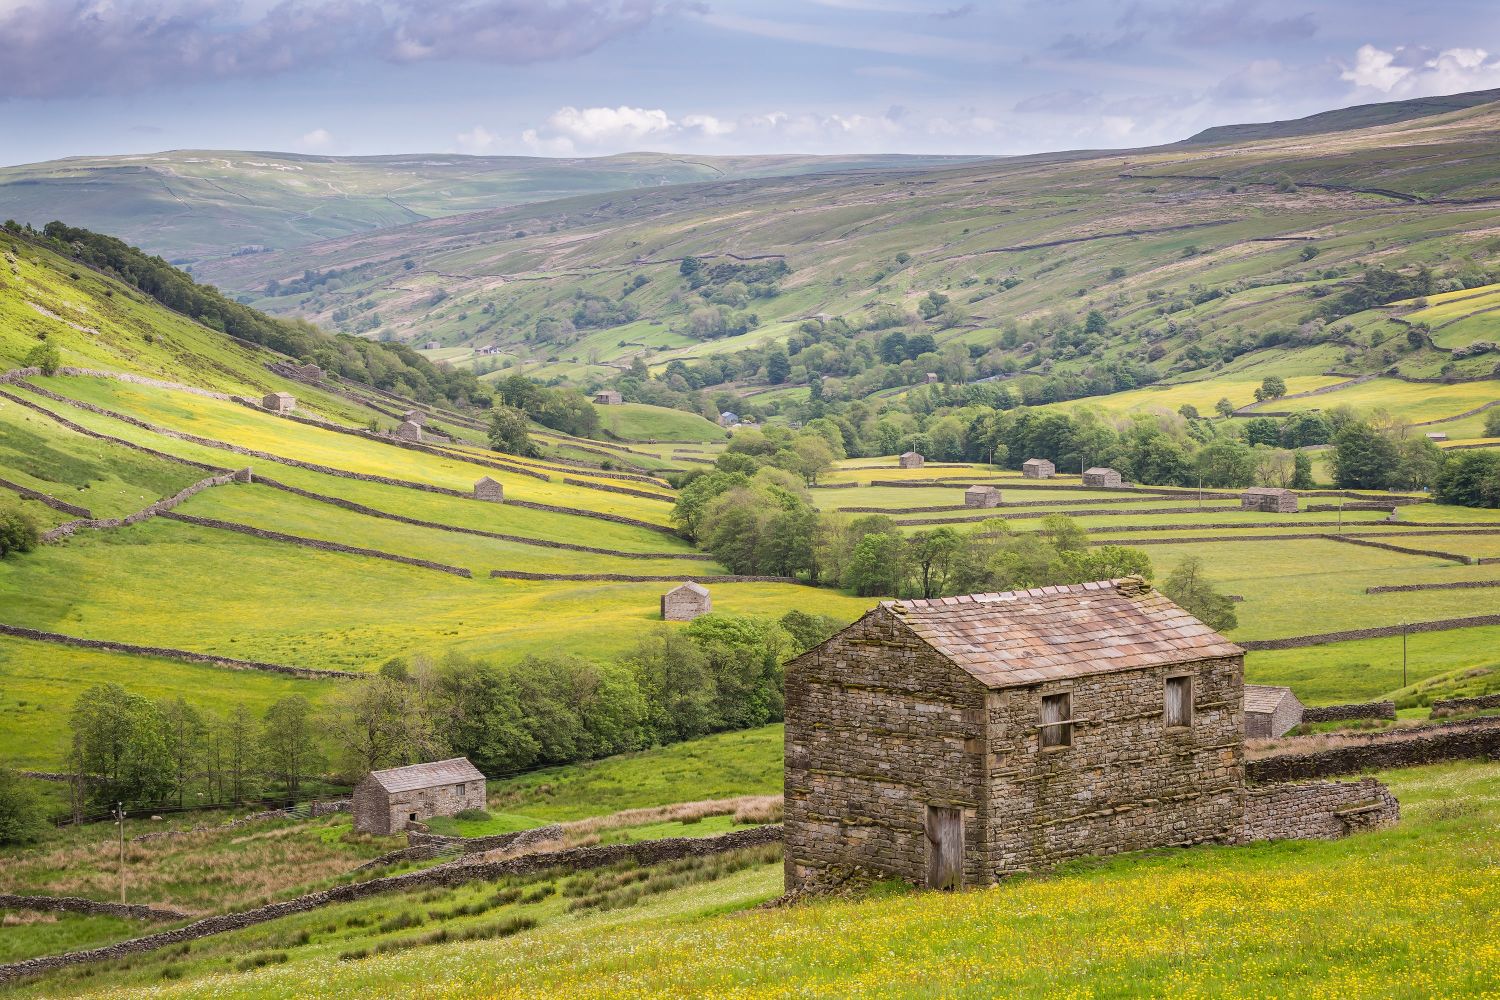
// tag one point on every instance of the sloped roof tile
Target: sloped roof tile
(430, 775)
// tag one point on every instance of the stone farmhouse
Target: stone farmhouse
(910, 460)
(385, 801)
(981, 496)
(1038, 468)
(685, 602)
(952, 742)
(1099, 476)
(279, 402)
(1270, 711)
(409, 430)
(608, 397)
(489, 489)
(1269, 499)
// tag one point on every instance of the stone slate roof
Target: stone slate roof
(280, 395)
(978, 488)
(431, 775)
(695, 588)
(1025, 637)
(486, 480)
(1266, 491)
(1264, 697)
(911, 454)
(1099, 470)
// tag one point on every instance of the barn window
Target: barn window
(1179, 701)
(1057, 720)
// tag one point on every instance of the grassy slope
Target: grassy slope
(640, 422)
(963, 228)
(1268, 919)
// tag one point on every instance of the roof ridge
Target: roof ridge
(1130, 586)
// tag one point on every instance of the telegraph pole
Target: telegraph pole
(1405, 629)
(120, 822)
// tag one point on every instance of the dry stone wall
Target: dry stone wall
(647, 852)
(1446, 706)
(1340, 713)
(91, 907)
(1407, 587)
(1325, 810)
(1298, 641)
(161, 506)
(167, 653)
(58, 505)
(515, 574)
(318, 543)
(1379, 751)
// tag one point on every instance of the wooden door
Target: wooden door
(945, 847)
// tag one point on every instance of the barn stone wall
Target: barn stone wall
(879, 726)
(1340, 713)
(381, 812)
(684, 605)
(1127, 782)
(1323, 810)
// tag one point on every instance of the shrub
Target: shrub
(472, 815)
(18, 530)
(44, 356)
(20, 810)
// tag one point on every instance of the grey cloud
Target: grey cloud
(1091, 45)
(1063, 102)
(74, 47)
(1230, 22)
(953, 13)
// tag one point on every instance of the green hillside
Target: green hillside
(194, 203)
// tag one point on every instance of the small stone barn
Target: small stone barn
(489, 489)
(279, 402)
(1270, 711)
(311, 372)
(930, 377)
(385, 801)
(954, 741)
(1099, 476)
(685, 602)
(409, 430)
(608, 397)
(1436, 436)
(1270, 499)
(1038, 468)
(910, 460)
(414, 417)
(981, 496)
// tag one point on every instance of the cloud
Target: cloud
(1060, 102)
(1091, 45)
(72, 47)
(1233, 22)
(1412, 72)
(476, 140)
(317, 140)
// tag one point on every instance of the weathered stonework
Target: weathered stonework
(408, 430)
(279, 402)
(1038, 468)
(385, 801)
(684, 603)
(910, 460)
(1270, 711)
(489, 490)
(982, 497)
(1269, 499)
(1101, 477)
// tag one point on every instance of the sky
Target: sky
(593, 77)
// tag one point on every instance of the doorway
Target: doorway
(945, 847)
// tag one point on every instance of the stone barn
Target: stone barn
(930, 378)
(1436, 436)
(409, 430)
(981, 496)
(686, 602)
(279, 402)
(1038, 468)
(608, 397)
(955, 741)
(311, 372)
(1269, 499)
(1099, 476)
(414, 417)
(489, 489)
(1270, 711)
(385, 801)
(910, 460)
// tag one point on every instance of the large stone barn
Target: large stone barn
(685, 602)
(1270, 711)
(1270, 499)
(1038, 468)
(408, 430)
(1099, 476)
(954, 741)
(489, 489)
(279, 402)
(981, 496)
(910, 460)
(385, 801)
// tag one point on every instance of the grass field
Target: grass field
(1268, 919)
(1413, 401)
(640, 422)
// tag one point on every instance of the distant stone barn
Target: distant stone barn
(385, 801)
(1270, 499)
(608, 397)
(489, 489)
(1270, 711)
(279, 402)
(414, 417)
(955, 741)
(408, 430)
(981, 496)
(685, 602)
(910, 460)
(1100, 476)
(1038, 468)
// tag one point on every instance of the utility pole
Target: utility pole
(120, 822)
(1341, 531)
(1405, 629)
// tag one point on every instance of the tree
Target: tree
(1224, 407)
(1191, 591)
(1470, 479)
(241, 757)
(510, 432)
(877, 566)
(185, 734)
(1302, 477)
(1225, 462)
(20, 810)
(1263, 430)
(382, 723)
(1271, 387)
(1363, 458)
(289, 742)
(44, 356)
(932, 554)
(1188, 411)
(778, 366)
(1492, 423)
(18, 530)
(814, 457)
(119, 749)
